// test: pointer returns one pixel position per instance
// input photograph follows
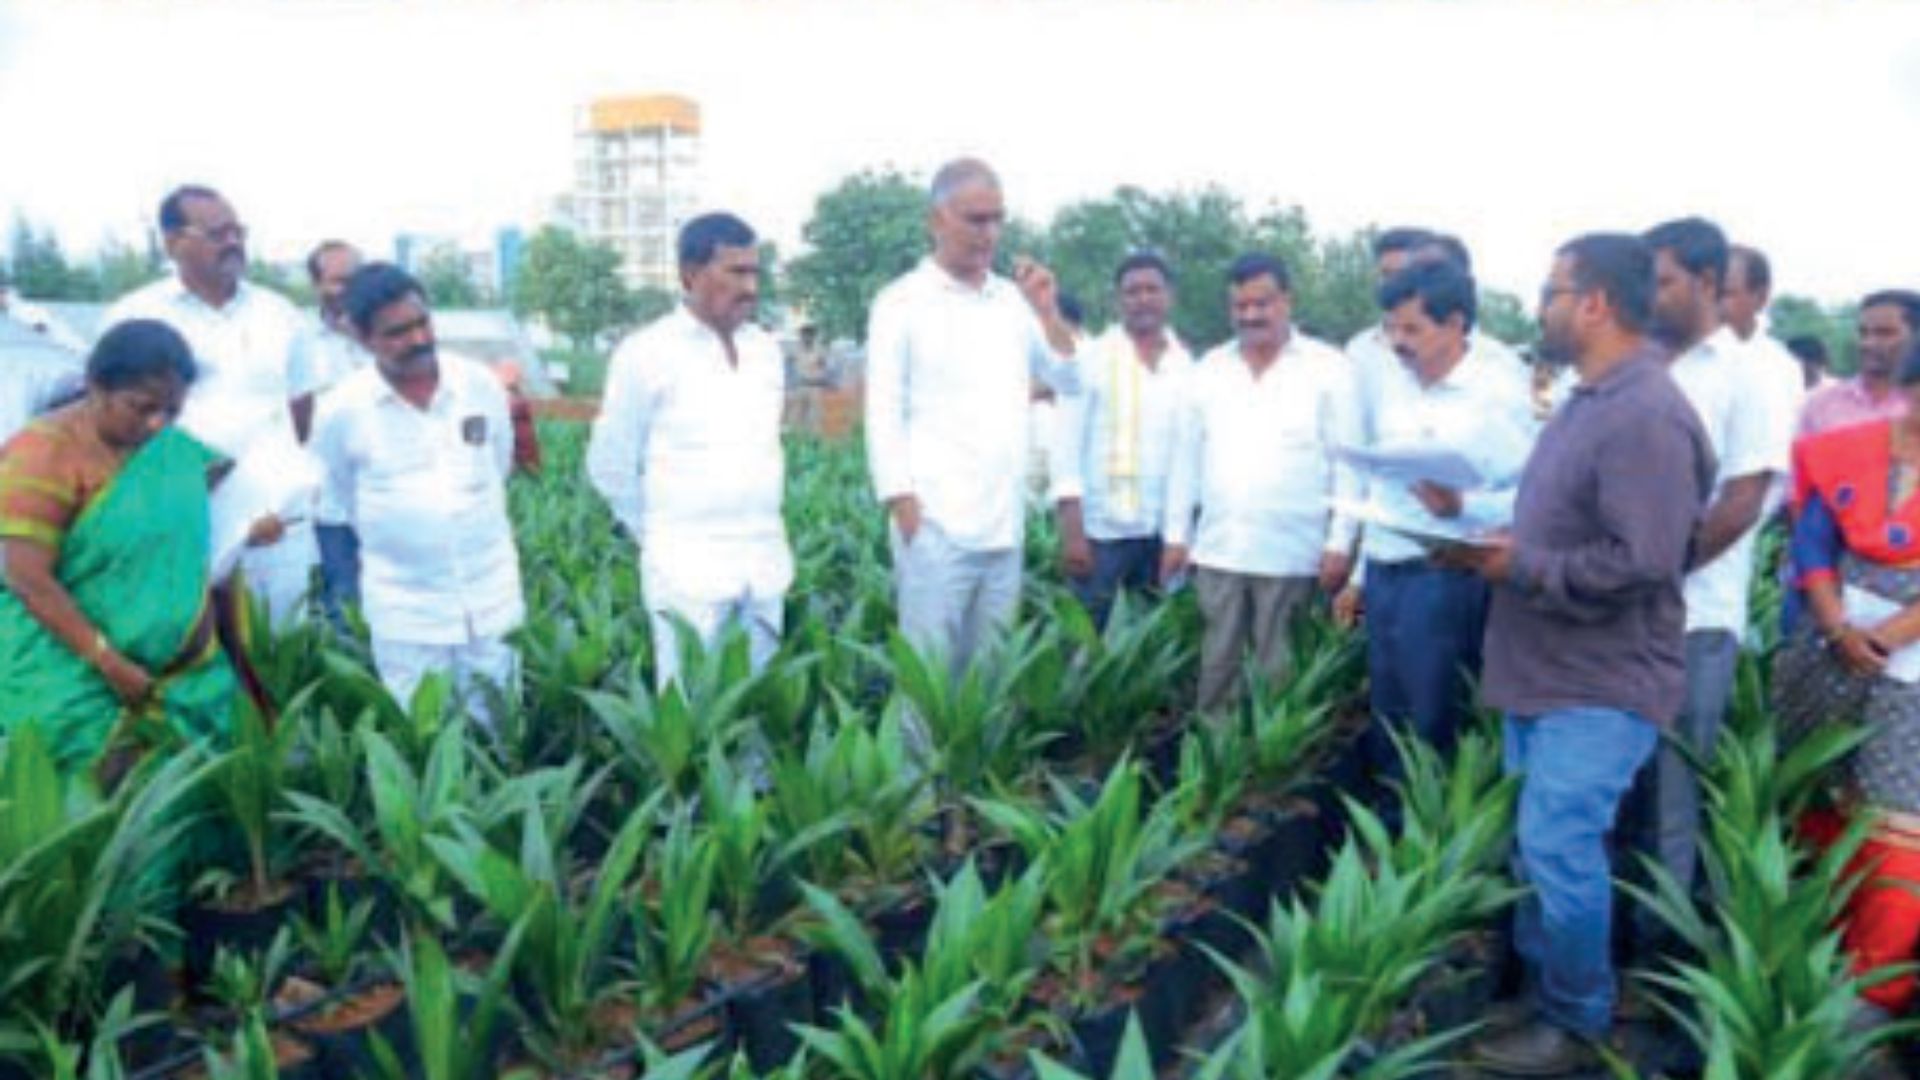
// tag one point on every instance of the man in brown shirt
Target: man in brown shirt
(1584, 648)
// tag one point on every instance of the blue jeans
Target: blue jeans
(1424, 627)
(339, 570)
(1577, 763)
(1132, 564)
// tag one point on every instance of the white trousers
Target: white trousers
(280, 576)
(760, 618)
(952, 600)
(475, 668)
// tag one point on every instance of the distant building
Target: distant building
(636, 180)
(489, 262)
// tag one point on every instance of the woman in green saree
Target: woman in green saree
(107, 632)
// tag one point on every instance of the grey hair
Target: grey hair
(959, 173)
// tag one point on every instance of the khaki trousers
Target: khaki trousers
(1244, 613)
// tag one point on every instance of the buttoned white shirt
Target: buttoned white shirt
(948, 372)
(1786, 383)
(429, 498)
(1253, 455)
(686, 451)
(1736, 409)
(244, 350)
(1371, 352)
(1088, 423)
(1482, 409)
(322, 359)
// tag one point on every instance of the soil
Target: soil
(675, 1032)
(751, 960)
(354, 1012)
(245, 899)
(1242, 829)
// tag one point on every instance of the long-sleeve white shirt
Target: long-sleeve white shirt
(429, 498)
(1253, 455)
(948, 370)
(1482, 409)
(686, 451)
(1089, 422)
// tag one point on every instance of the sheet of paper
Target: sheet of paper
(1428, 531)
(1412, 464)
(1867, 608)
(273, 476)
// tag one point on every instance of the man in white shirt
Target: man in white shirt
(1373, 354)
(1715, 372)
(686, 451)
(242, 338)
(1114, 445)
(1371, 350)
(1743, 304)
(951, 350)
(420, 446)
(324, 355)
(1444, 393)
(1253, 454)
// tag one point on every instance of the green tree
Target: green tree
(1505, 316)
(1791, 316)
(649, 302)
(575, 286)
(866, 231)
(1334, 289)
(38, 265)
(769, 284)
(444, 273)
(122, 268)
(294, 286)
(1084, 244)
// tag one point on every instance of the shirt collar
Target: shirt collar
(178, 292)
(442, 388)
(941, 278)
(1118, 338)
(1722, 342)
(1629, 372)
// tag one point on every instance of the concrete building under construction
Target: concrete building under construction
(636, 179)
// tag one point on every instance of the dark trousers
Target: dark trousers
(1663, 814)
(339, 570)
(1424, 628)
(1132, 564)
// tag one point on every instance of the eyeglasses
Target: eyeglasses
(229, 233)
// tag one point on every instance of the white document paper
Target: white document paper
(1412, 464)
(1867, 609)
(1428, 531)
(274, 476)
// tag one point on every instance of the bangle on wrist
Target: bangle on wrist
(97, 653)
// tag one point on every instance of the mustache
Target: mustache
(418, 352)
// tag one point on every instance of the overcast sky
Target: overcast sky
(1796, 126)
